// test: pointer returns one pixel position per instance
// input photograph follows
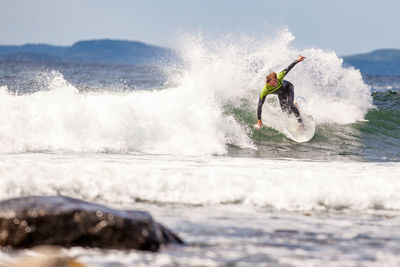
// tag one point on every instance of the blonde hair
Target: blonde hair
(270, 76)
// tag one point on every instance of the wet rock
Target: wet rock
(63, 221)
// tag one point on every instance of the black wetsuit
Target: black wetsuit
(285, 92)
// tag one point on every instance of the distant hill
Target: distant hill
(383, 61)
(104, 51)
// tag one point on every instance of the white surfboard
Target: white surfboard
(290, 127)
(301, 132)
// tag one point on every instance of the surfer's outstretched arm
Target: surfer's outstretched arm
(261, 101)
(288, 68)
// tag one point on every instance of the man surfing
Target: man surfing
(284, 89)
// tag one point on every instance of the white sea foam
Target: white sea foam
(280, 184)
(189, 118)
(167, 121)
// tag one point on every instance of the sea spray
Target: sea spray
(236, 70)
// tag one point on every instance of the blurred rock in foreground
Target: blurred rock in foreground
(63, 221)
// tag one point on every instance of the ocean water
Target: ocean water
(177, 141)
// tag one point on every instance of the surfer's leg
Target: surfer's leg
(283, 101)
(290, 98)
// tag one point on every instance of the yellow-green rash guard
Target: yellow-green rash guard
(268, 89)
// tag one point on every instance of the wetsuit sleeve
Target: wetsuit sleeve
(261, 101)
(286, 71)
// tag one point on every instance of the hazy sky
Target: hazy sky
(346, 26)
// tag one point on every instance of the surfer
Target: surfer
(276, 85)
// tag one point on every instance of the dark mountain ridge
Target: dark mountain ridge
(103, 51)
(381, 62)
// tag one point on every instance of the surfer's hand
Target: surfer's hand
(259, 123)
(300, 58)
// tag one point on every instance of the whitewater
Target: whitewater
(177, 140)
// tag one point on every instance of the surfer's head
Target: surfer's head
(272, 79)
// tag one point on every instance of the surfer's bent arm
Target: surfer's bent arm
(261, 101)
